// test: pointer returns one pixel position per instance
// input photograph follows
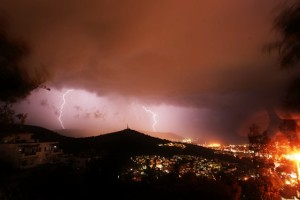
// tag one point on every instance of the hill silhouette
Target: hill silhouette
(130, 142)
(122, 143)
(93, 132)
(106, 158)
(40, 133)
(165, 135)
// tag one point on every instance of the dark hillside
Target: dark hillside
(122, 143)
(40, 133)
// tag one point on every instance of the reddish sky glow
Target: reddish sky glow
(198, 65)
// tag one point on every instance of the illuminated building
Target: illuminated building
(21, 151)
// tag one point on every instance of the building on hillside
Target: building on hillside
(22, 151)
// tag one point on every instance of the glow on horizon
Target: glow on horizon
(153, 117)
(85, 110)
(62, 107)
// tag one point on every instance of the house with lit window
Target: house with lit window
(22, 151)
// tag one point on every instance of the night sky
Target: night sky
(198, 65)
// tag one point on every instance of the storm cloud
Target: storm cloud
(200, 54)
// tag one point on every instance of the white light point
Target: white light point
(62, 107)
(153, 117)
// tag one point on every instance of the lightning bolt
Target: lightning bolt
(62, 107)
(153, 117)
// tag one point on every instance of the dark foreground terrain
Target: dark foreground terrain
(102, 167)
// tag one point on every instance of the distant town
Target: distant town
(208, 163)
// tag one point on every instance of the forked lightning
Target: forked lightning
(62, 107)
(153, 117)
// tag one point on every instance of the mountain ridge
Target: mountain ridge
(123, 143)
(79, 133)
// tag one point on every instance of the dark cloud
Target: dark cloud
(99, 115)
(78, 108)
(17, 80)
(87, 115)
(44, 102)
(202, 54)
(146, 48)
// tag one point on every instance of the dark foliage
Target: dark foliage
(258, 140)
(288, 46)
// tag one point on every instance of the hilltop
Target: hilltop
(79, 133)
(123, 143)
(131, 142)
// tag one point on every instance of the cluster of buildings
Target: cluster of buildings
(280, 162)
(240, 151)
(158, 166)
(173, 144)
(22, 151)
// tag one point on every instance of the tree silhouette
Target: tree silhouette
(288, 45)
(287, 24)
(289, 129)
(258, 140)
(7, 114)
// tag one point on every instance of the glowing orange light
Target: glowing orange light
(187, 140)
(296, 157)
(214, 145)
